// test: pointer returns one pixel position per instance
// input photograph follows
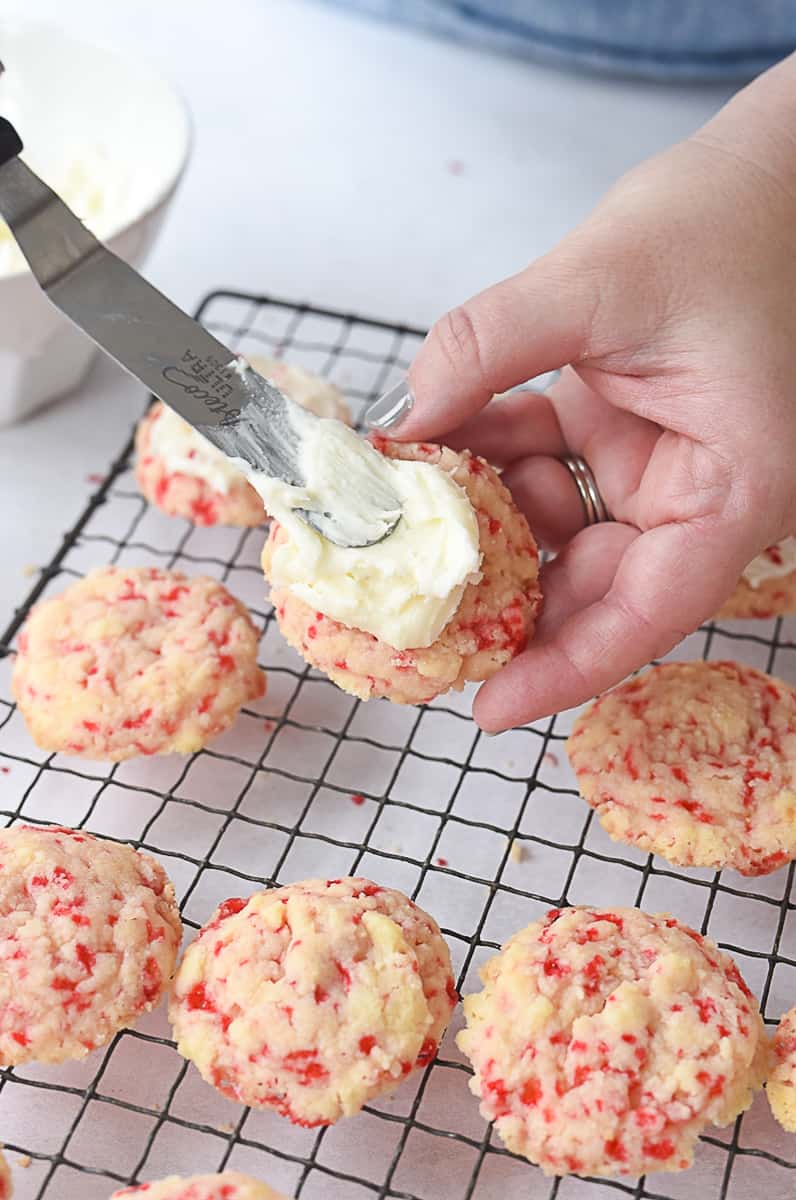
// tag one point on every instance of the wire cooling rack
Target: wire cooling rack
(484, 833)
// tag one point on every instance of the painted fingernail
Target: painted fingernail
(390, 409)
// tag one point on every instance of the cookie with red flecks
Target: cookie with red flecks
(767, 588)
(604, 1042)
(694, 761)
(5, 1179)
(229, 1185)
(183, 474)
(135, 661)
(313, 998)
(493, 622)
(781, 1083)
(89, 934)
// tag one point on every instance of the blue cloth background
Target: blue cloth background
(662, 39)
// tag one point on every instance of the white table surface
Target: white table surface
(322, 171)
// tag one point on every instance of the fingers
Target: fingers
(581, 574)
(667, 582)
(544, 490)
(528, 324)
(512, 427)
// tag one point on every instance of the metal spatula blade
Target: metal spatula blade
(241, 413)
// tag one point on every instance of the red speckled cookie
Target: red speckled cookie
(772, 598)
(135, 661)
(494, 621)
(5, 1179)
(604, 1042)
(313, 998)
(767, 588)
(781, 1083)
(89, 934)
(694, 761)
(230, 1185)
(183, 474)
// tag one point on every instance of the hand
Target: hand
(674, 306)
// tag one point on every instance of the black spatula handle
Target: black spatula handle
(10, 141)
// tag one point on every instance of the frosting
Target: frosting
(403, 589)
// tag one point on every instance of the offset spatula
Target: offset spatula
(237, 410)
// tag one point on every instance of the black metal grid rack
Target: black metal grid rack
(484, 833)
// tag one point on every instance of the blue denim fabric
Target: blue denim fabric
(662, 39)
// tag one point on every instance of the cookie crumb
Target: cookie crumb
(227, 1127)
(517, 851)
(24, 1160)
(5, 770)
(357, 798)
(268, 726)
(30, 569)
(94, 477)
(551, 758)
(441, 862)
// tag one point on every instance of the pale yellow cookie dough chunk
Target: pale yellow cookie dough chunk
(89, 934)
(781, 1083)
(604, 1041)
(229, 1185)
(313, 998)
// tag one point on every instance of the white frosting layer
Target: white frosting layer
(187, 452)
(406, 588)
(774, 563)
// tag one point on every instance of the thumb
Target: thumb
(533, 322)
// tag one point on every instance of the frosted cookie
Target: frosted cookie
(491, 618)
(5, 1179)
(781, 1083)
(604, 1042)
(767, 588)
(135, 661)
(229, 1185)
(694, 761)
(313, 998)
(183, 474)
(89, 934)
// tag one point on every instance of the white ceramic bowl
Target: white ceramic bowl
(72, 103)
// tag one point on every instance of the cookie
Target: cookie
(89, 934)
(229, 1185)
(135, 661)
(5, 1179)
(694, 761)
(767, 588)
(183, 474)
(781, 1083)
(313, 998)
(492, 624)
(604, 1042)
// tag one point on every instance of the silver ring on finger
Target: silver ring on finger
(594, 506)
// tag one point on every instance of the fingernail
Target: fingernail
(390, 409)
